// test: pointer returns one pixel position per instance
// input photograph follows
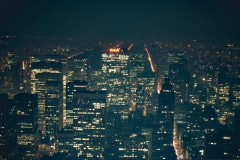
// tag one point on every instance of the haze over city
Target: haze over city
(122, 19)
(120, 79)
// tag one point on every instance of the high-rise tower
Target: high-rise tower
(89, 124)
(136, 63)
(77, 68)
(147, 80)
(47, 82)
(4, 126)
(163, 131)
(115, 73)
(71, 88)
(26, 106)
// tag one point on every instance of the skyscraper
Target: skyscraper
(140, 99)
(89, 124)
(179, 75)
(223, 107)
(72, 87)
(53, 106)
(47, 82)
(115, 74)
(136, 63)
(77, 68)
(162, 143)
(147, 80)
(4, 117)
(26, 106)
(174, 56)
(133, 146)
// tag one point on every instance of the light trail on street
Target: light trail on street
(129, 48)
(149, 59)
(69, 57)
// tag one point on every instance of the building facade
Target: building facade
(89, 124)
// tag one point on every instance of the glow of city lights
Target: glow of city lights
(149, 58)
(159, 87)
(23, 65)
(114, 50)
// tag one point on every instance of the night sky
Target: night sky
(116, 19)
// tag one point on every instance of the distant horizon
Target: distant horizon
(130, 40)
(209, 20)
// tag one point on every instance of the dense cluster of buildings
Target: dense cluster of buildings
(114, 105)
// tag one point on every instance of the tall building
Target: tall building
(11, 59)
(179, 75)
(26, 106)
(89, 124)
(162, 143)
(136, 63)
(221, 145)
(47, 82)
(8, 128)
(77, 68)
(235, 93)
(236, 130)
(12, 76)
(174, 56)
(210, 121)
(140, 99)
(12, 69)
(225, 112)
(147, 80)
(193, 136)
(133, 146)
(24, 79)
(4, 117)
(72, 87)
(53, 106)
(95, 80)
(115, 74)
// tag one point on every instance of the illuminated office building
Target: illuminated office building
(136, 63)
(235, 93)
(180, 78)
(95, 80)
(24, 79)
(221, 145)
(236, 129)
(115, 74)
(12, 76)
(224, 111)
(5, 144)
(47, 82)
(147, 132)
(64, 141)
(133, 146)
(210, 121)
(77, 68)
(11, 59)
(174, 57)
(72, 87)
(147, 81)
(53, 102)
(162, 142)
(140, 99)
(26, 107)
(89, 124)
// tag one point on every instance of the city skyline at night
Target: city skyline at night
(119, 80)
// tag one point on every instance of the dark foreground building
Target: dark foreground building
(162, 142)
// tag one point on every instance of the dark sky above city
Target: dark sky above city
(116, 19)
